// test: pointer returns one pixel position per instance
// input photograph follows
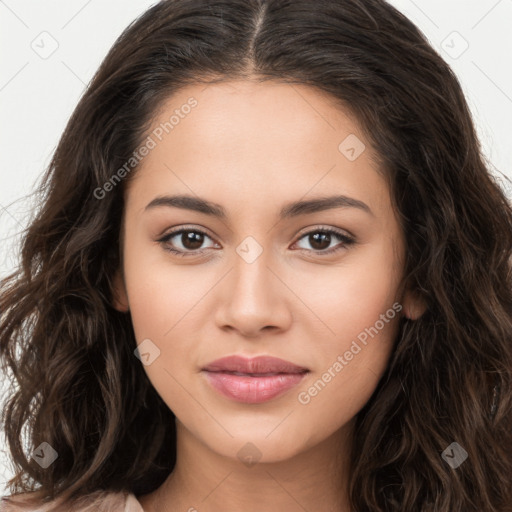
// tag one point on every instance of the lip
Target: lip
(253, 380)
(259, 364)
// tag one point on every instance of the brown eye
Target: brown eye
(192, 240)
(321, 239)
(183, 241)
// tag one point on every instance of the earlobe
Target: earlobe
(119, 295)
(413, 305)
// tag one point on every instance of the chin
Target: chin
(251, 446)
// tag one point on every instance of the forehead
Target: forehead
(244, 140)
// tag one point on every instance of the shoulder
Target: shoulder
(28, 501)
(99, 501)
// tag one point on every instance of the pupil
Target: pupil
(192, 240)
(323, 237)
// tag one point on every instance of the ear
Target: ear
(119, 295)
(413, 305)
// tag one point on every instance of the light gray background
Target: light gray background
(39, 89)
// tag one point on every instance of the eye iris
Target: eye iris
(318, 238)
(192, 240)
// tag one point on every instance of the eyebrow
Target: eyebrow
(293, 209)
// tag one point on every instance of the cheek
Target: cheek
(351, 366)
(361, 315)
(167, 308)
(354, 295)
(161, 293)
(162, 300)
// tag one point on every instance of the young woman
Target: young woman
(271, 271)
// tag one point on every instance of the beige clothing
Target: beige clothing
(100, 501)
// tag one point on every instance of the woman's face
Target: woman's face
(265, 278)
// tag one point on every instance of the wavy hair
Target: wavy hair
(76, 384)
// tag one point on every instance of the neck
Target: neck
(205, 481)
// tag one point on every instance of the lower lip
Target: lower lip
(253, 390)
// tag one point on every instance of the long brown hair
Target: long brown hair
(449, 380)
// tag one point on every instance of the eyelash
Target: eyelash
(346, 241)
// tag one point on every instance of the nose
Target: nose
(253, 297)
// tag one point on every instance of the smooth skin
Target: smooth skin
(252, 149)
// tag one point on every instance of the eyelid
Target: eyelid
(179, 229)
(325, 227)
(345, 236)
(184, 227)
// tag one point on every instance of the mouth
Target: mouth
(253, 366)
(253, 380)
(242, 374)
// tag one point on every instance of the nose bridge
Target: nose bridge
(251, 275)
(255, 297)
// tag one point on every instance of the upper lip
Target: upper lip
(260, 364)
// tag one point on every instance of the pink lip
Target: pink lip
(248, 380)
